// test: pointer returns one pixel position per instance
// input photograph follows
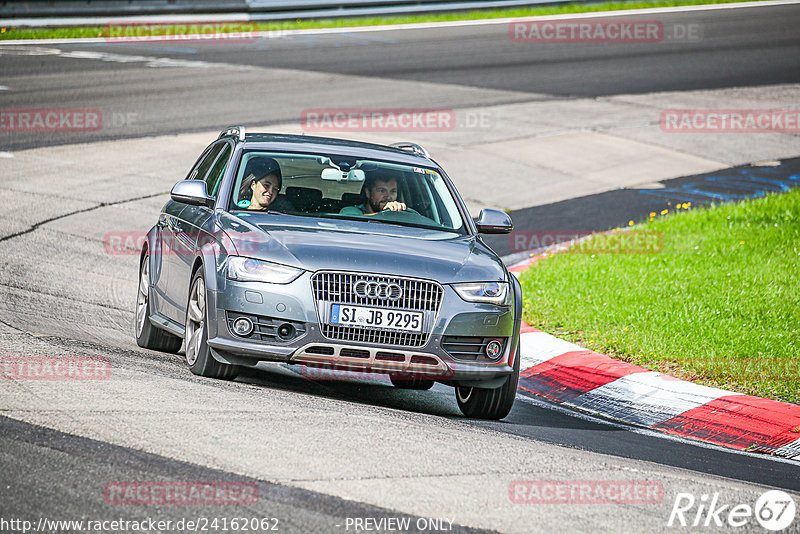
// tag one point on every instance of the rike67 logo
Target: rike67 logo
(774, 510)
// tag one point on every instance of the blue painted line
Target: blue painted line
(721, 196)
(768, 170)
(747, 180)
(764, 170)
(674, 194)
(753, 184)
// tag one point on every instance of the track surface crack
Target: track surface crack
(36, 226)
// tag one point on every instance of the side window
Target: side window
(202, 166)
(214, 177)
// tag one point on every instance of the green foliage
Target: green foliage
(719, 304)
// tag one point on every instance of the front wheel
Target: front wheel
(492, 404)
(198, 354)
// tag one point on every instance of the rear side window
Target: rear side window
(201, 169)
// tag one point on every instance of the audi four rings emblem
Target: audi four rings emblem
(377, 290)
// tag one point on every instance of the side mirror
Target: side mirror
(192, 192)
(494, 222)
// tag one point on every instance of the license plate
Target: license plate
(382, 318)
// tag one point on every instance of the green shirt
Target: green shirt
(354, 210)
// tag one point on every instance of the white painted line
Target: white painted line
(4, 88)
(149, 61)
(6, 155)
(432, 25)
(538, 347)
(647, 398)
(15, 50)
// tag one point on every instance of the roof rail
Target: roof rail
(413, 147)
(238, 131)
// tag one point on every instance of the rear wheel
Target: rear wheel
(494, 404)
(147, 335)
(411, 382)
(198, 353)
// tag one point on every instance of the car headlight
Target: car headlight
(250, 270)
(491, 292)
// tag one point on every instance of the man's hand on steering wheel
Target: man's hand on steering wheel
(394, 206)
(393, 209)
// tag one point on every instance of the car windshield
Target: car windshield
(344, 187)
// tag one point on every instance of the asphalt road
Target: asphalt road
(258, 82)
(319, 450)
(720, 49)
(41, 456)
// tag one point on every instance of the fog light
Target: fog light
(285, 331)
(243, 326)
(493, 349)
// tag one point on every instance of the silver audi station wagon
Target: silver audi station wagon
(331, 253)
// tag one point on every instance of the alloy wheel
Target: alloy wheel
(142, 296)
(195, 320)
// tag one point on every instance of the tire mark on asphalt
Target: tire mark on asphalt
(36, 226)
(71, 299)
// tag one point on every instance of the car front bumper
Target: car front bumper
(295, 304)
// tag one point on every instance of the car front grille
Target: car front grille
(417, 295)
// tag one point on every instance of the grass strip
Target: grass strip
(70, 32)
(719, 304)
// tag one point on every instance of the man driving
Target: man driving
(381, 193)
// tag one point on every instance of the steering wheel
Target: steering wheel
(407, 215)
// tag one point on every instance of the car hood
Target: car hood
(318, 244)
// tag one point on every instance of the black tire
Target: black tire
(198, 353)
(491, 404)
(147, 335)
(411, 382)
